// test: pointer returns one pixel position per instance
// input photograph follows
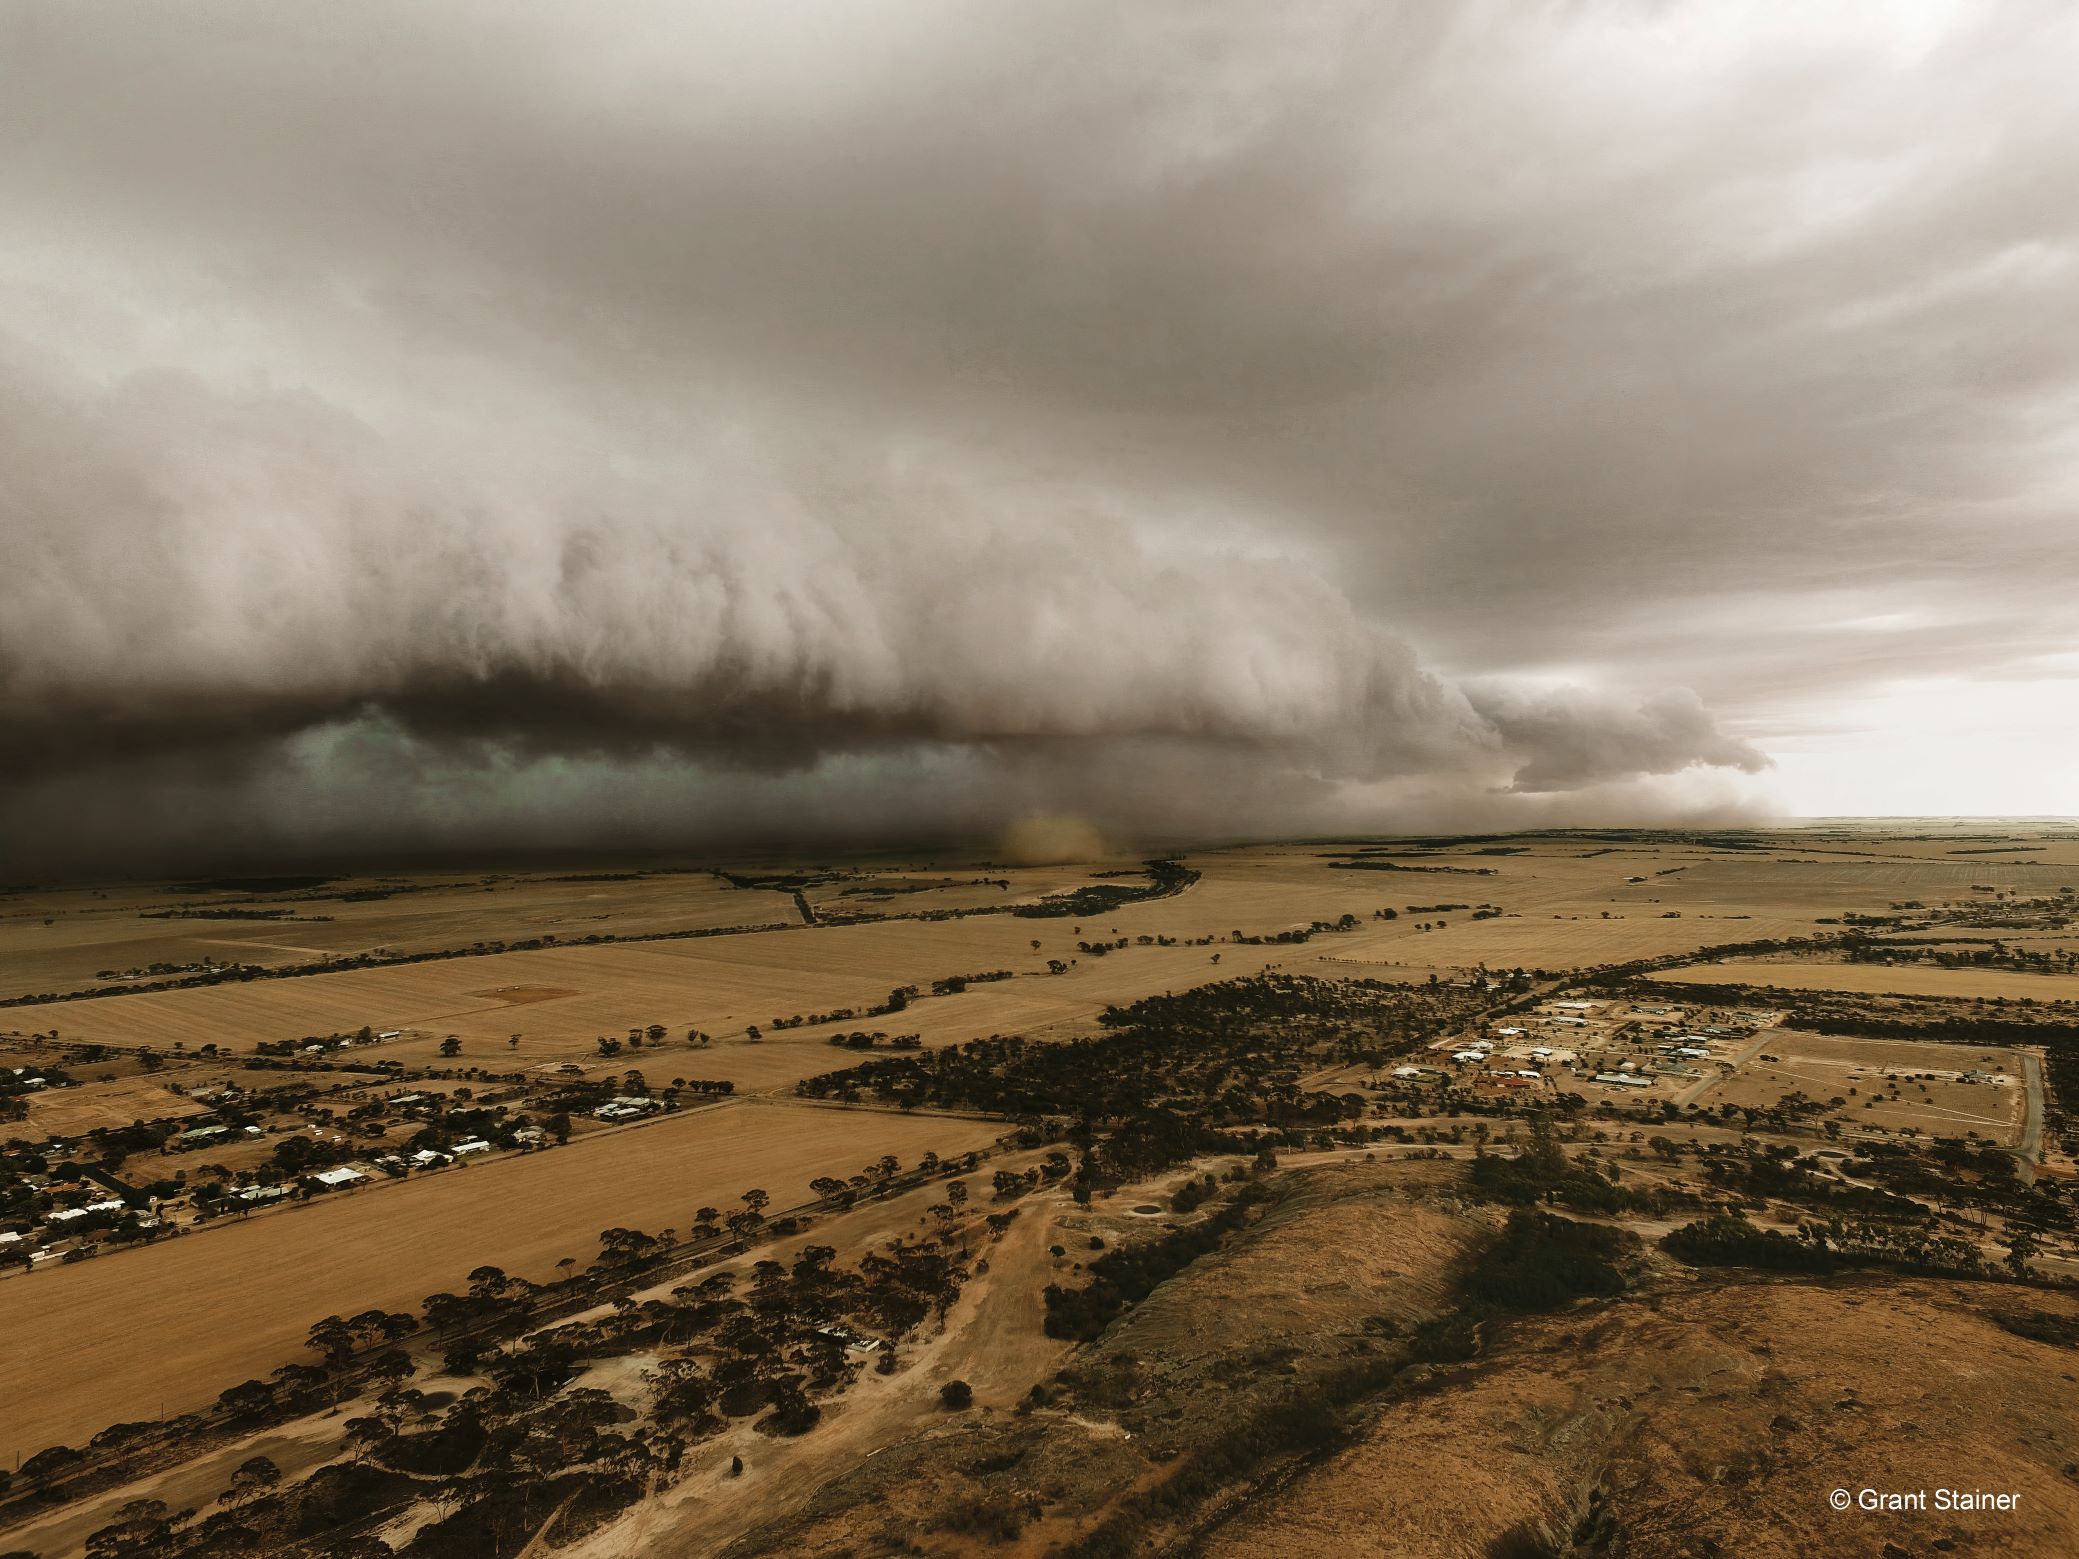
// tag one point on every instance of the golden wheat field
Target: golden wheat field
(1875, 979)
(1563, 903)
(87, 938)
(68, 940)
(234, 1300)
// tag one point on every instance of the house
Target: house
(1503, 1080)
(428, 1158)
(1625, 1079)
(112, 1205)
(474, 1145)
(1468, 1057)
(851, 1339)
(390, 1034)
(334, 1178)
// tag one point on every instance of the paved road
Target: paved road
(2031, 1150)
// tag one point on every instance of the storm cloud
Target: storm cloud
(480, 424)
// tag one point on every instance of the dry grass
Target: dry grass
(116, 1337)
(1930, 1098)
(1881, 979)
(561, 1000)
(73, 1112)
(63, 939)
(168, 1326)
(102, 929)
(1728, 1413)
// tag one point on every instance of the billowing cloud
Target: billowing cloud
(1572, 740)
(211, 585)
(490, 423)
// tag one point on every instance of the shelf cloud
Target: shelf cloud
(506, 425)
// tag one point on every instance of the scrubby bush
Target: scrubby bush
(1729, 1240)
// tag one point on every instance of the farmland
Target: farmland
(1888, 1086)
(1868, 979)
(96, 938)
(235, 1300)
(452, 1084)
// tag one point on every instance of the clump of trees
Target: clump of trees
(1542, 1172)
(531, 1450)
(1727, 1239)
(1542, 1261)
(1126, 1276)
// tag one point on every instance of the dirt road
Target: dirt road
(991, 1339)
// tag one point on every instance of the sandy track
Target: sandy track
(992, 1340)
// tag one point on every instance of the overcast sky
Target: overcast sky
(630, 422)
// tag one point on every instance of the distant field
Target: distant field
(560, 1000)
(64, 939)
(167, 1327)
(1931, 1099)
(1566, 904)
(920, 891)
(1877, 979)
(133, 1333)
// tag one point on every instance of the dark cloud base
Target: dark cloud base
(478, 426)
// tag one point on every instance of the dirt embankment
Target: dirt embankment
(1697, 1416)
(1714, 1418)
(1339, 1256)
(992, 1339)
